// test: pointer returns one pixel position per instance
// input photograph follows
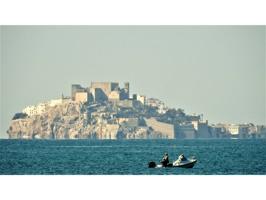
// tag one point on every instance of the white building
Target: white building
(239, 130)
(35, 110)
(55, 102)
(142, 99)
(41, 107)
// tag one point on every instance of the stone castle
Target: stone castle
(104, 110)
(100, 92)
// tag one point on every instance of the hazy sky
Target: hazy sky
(215, 70)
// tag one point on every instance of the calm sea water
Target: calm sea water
(223, 156)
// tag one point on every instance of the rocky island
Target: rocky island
(105, 111)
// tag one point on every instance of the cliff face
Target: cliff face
(58, 122)
(106, 120)
(70, 120)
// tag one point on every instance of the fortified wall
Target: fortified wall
(100, 91)
(167, 130)
(106, 87)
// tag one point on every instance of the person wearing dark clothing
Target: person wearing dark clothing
(165, 160)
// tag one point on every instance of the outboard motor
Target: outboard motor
(152, 164)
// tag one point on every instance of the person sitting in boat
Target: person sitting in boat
(182, 158)
(165, 160)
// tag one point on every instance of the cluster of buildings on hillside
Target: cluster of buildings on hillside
(113, 113)
(42, 107)
(247, 130)
(201, 129)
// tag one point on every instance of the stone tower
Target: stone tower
(126, 87)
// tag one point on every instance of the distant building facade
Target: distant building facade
(238, 130)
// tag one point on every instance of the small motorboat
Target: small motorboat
(188, 163)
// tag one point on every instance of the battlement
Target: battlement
(99, 92)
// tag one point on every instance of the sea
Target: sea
(131, 157)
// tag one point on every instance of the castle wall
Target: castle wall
(124, 93)
(167, 130)
(125, 103)
(114, 96)
(101, 91)
(105, 88)
(202, 129)
(96, 95)
(128, 122)
(81, 97)
(185, 131)
(76, 88)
